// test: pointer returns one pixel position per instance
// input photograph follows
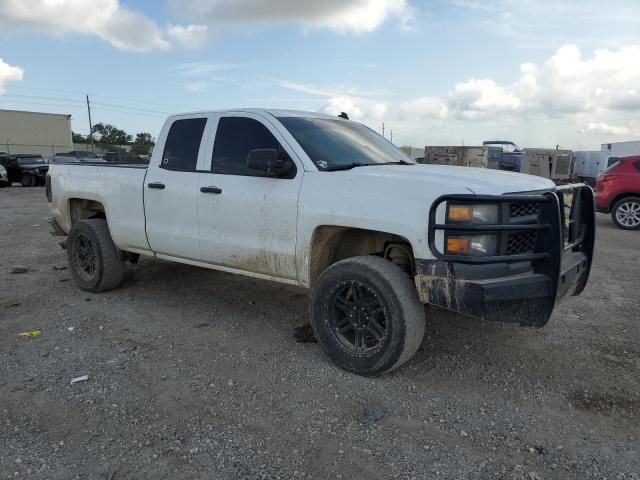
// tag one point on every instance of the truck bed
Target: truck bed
(119, 187)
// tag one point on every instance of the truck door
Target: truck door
(171, 189)
(248, 218)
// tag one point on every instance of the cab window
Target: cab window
(235, 138)
(182, 144)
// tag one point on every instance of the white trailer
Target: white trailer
(461, 156)
(589, 164)
(549, 163)
(621, 149)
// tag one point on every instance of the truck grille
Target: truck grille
(522, 242)
(531, 227)
(523, 209)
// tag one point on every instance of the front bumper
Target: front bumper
(520, 288)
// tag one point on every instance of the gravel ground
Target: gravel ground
(196, 374)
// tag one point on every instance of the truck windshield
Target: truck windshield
(506, 147)
(30, 160)
(340, 144)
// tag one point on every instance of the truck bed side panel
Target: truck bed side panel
(117, 188)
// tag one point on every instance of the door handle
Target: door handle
(215, 190)
(158, 185)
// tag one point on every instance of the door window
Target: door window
(235, 138)
(183, 143)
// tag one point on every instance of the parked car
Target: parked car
(618, 192)
(328, 204)
(63, 158)
(29, 170)
(4, 177)
(78, 154)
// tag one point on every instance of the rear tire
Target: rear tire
(366, 315)
(28, 180)
(93, 258)
(626, 213)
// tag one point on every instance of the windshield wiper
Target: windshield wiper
(399, 162)
(347, 166)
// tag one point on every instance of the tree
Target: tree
(143, 143)
(110, 135)
(78, 138)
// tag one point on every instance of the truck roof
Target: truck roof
(271, 111)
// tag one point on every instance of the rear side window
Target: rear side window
(637, 165)
(235, 138)
(183, 143)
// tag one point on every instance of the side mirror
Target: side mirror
(270, 161)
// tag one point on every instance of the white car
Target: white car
(326, 203)
(4, 177)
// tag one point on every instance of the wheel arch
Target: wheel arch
(332, 243)
(620, 196)
(84, 209)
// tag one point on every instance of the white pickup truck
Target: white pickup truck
(326, 203)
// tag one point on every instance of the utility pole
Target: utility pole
(90, 125)
(391, 135)
(383, 129)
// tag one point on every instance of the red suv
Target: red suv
(618, 192)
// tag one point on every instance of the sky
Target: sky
(540, 73)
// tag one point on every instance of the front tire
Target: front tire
(93, 258)
(28, 180)
(366, 315)
(626, 213)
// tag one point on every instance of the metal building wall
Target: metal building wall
(34, 132)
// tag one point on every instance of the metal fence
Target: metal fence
(46, 150)
(50, 150)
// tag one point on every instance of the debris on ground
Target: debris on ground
(55, 267)
(32, 333)
(83, 378)
(304, 334)
(372, 414)
(19, 269)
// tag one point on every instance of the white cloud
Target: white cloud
(356, 108)
(353, 16)
(8, 73)
(122, 27)
(605, 129)
(424, 108)
(191, 36)
(205, 69)
(196, 86)
(567, 83)
(477, 99)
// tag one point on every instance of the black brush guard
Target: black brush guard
(544, 252)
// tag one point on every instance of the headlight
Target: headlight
(472, 213)
(471, 245)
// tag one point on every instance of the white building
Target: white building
(34, 132)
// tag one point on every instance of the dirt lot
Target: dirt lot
(196, 374)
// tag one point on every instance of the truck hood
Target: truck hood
(480, 181)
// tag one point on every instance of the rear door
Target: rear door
(171, 188)
(248, 219)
